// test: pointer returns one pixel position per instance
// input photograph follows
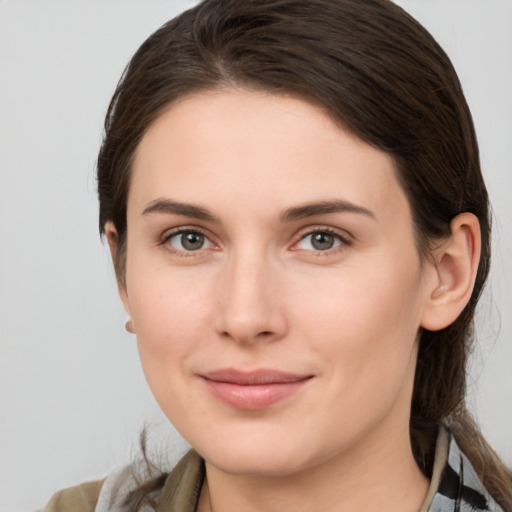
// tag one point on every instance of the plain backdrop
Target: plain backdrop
(72, 395)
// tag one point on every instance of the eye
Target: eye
(320, 241)
(188, 241)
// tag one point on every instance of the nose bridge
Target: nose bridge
(249, 306)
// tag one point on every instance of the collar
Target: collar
(455, 486)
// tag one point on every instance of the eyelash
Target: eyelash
(186, 230)
(341, 241)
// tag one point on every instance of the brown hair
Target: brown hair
(382, 75)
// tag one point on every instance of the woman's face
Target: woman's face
(273, 281)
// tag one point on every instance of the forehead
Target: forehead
(239, 147)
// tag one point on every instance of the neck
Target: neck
(373, 476)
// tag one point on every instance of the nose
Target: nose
(250, 306)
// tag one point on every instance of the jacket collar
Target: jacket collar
(455, 486)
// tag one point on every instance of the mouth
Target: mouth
(253, 390)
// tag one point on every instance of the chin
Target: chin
(256, 462)
(259, 451)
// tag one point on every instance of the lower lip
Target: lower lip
(253, 397)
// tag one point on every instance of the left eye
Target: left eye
(188, 241)
(319, 241)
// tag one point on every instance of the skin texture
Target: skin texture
(257, 293)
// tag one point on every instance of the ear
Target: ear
(113, 243)
(455, 265)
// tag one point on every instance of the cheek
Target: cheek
(384, 296)
(169, 316)
(365, 322)
(366, 340)
(170, 310)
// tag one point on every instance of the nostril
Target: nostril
(262, 334)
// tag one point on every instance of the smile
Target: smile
(253, 390)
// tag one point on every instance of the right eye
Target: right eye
(188, 240)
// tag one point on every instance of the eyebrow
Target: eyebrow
(322, 208)
(171, 207)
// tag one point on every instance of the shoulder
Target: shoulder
(81, 498)
(107, 495)
(179, 489)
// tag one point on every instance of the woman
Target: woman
(292, 197)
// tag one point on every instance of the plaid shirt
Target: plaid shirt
(456, 484)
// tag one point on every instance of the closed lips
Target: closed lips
(254, 390)
(254, 378)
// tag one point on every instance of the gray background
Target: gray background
(72, 395)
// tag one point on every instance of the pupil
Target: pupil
(192, 241)
(322, 241)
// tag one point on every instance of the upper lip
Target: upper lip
(253, 377)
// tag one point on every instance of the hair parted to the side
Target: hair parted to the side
(380, 74)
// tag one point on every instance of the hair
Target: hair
(381, 75)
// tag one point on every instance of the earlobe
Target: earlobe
(129, 327)
(456, 264)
